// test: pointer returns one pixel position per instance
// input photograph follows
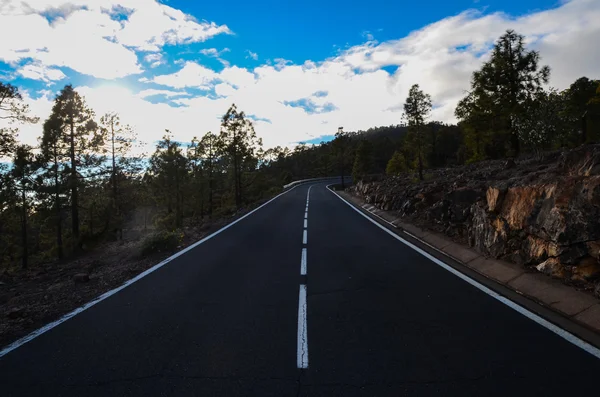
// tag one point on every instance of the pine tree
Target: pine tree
(416, 110)
(204, 154)
(341, 153)
(54, 179)
(396, 165)
(363, 160)
(241, 146)
(24, 168)
(118, 140)
(169, 170)
(78, 139)
(507, 82)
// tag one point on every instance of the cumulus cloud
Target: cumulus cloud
(84, 34)
(362, 86)
(191, 75)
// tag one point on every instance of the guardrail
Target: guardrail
(329, 178)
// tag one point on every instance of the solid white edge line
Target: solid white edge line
(518, 308)
(302, 353)
(127, 283)
(305, 236)
(303, 263)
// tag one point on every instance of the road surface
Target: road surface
(235, 316)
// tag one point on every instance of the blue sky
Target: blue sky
(299, 69)
(316, 29)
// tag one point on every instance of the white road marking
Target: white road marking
(302, 356)
(303, 263)
(516, 307)
(127, 283)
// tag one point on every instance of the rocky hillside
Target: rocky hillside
(541, 212)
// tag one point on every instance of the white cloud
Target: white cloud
(214, 53)
(191, 75)
(224, 89)
(252, 55)
(360, 93)
(152, 25)
(154, 59)
(166, 93)
(37, 71)
(87, 36)
(209, 51)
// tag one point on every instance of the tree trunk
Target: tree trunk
(59, 242)
(210, 181)
(210, 195)
(514, 88)
(240, 189)
(236, 171)
(419, 154)
(177, 201)
(115, 191)
(24, 226)
(342, 168)
(74, 190)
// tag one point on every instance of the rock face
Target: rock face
(538, 212)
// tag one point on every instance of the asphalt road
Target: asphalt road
(223, 319)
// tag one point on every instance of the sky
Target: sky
(300, 70)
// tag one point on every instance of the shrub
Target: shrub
(163, 241)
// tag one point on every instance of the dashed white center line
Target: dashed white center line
(302, 357)
(303, 263)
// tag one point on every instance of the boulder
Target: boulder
(552, 267)
(588, 269)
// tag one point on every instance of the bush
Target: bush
(165, 222)
(161, 242)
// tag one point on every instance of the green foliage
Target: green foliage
(341, 153)
(72, 134)
(396, 165)
(363, 160)
(168, 174)
(241, 149)
(500, 93)
(161, 242)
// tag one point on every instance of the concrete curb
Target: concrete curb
(577, 306)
